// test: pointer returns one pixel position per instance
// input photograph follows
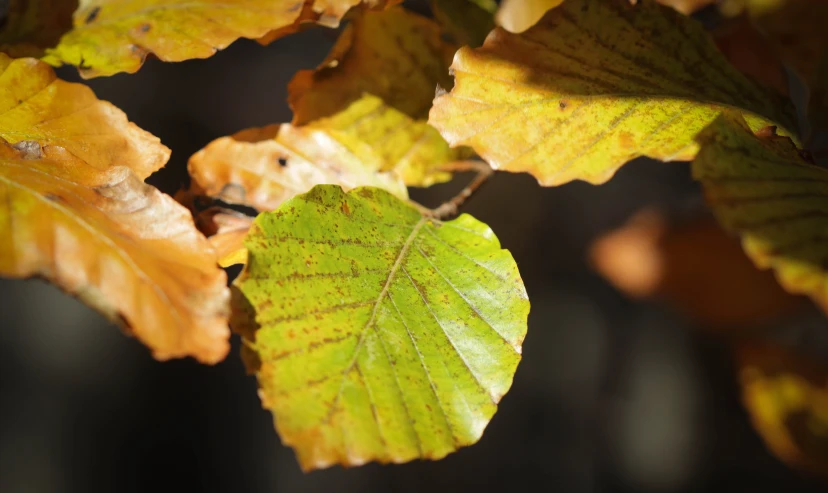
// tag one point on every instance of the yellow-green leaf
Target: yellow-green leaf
(466, 21)
(27, 27)
(74, 210)
(765, 189)
(593, 85)
(112, 36)
(395, 55)
(786, 395)
(382, 335)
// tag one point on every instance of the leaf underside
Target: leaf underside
(767, 191)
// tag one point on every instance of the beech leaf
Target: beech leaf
(769, 192)
(394, 54)
(37, 106)
(380, 334)
(593, 85)
(787, 397)
(74, 209)
(111, 36)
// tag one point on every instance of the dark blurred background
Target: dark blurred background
(612, 395)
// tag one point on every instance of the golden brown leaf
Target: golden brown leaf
(36, 106)
(395, 55)
(786, 395)
(74, 209)
(696, 267)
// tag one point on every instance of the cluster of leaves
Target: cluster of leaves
(378, 329)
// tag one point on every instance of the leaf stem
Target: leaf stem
(450, 207)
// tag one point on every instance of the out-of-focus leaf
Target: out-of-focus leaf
(797, 34)
(466, 21)
(111, 36)
(786, 395)
(769, 192)
(687, 7)
(519, 15)
(751, 52)
(395, 55)
(382, 335)
(696, 267)
(74, 210)
(590, 87)
(36, 106)
(27, 27)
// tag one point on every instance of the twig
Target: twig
(451, 206)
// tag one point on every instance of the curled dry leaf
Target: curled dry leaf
(75, 210)
(263, 167)
(378, 334)
(395, 55)
(111, 36)
(786, 395)
(368, 143)
(591, 87)
(769, 192)
(696, 267)
(27, 27)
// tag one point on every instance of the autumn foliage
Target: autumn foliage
(379, 329)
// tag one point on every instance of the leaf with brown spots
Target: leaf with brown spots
(111, 36)
(786, 395)
(769, 192)
(593, 85)
(383, 335)
(395, 55)
(74, 209)
(28, 27)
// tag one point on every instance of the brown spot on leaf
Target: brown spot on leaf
(563, 104)
(626, 140)
(346, 209)
(93, 14)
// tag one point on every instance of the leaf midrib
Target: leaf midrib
(371, 320)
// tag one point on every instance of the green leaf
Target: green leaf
(769, 192)
(593, 85)
(383, 335)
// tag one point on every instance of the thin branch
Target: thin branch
(450, 207)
